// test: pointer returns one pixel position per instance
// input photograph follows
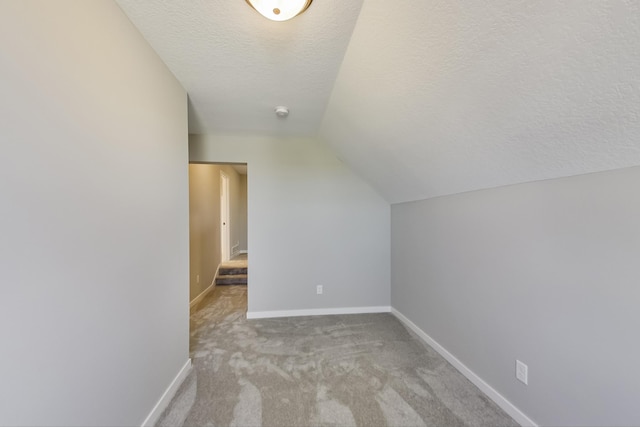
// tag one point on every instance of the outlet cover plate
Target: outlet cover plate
(522, 372)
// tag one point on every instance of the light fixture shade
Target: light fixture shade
(279, 10)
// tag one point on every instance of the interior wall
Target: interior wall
(94, 217)
(244, 197)
(311, 222)
(237, 222)
(204, 226)
(545, 272)
(204, 221)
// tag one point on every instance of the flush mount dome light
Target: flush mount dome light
(279, 10)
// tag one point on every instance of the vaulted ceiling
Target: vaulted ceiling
(421, 98)
(238, 66)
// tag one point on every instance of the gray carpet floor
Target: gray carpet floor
(344, 370)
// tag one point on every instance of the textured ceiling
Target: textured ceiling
(238, 66)
(442, 97)
(432, 98)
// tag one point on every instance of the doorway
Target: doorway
(217, 225)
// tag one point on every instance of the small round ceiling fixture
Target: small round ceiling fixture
(279, 10)
(282, 111)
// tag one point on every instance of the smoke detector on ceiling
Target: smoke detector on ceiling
(282, 112)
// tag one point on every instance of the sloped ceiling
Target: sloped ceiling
(432, 97)
(238, 66)
(441, 97)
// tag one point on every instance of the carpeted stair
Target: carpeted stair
(232, 275)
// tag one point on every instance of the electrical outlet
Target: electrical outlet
(198, 278)
(319, 290)
(522, 372)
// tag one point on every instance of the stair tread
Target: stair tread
(232, 273)
(232, 280)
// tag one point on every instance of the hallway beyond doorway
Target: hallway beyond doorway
(217, 221)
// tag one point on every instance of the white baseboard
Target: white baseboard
(206, 291)
(500, 400)
(316, 312)
(164, 401)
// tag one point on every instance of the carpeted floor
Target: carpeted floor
(345, 370)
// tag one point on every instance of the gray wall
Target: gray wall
(546, 272)
(93, 217)
(242, 212)
(204, 221)
(311, 221)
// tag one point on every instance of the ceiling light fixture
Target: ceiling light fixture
(279, 10)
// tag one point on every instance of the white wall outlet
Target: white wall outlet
(319, 289)
(522, 372)
(198, 278)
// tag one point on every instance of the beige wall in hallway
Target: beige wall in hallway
(204, 221)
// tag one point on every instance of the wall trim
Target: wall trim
(499, 399)
(316, 312)
(166, 397)
(206, 291)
